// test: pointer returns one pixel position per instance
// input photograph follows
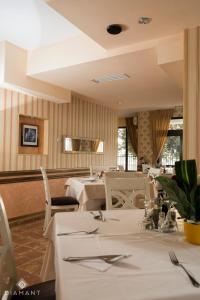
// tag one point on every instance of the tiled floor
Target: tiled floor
(29, 247)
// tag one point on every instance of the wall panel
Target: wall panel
(80, 118)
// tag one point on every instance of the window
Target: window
(125, 156)
(173, 147)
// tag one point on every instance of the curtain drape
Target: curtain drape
(132, 134)
(94, 145)
(159, 120)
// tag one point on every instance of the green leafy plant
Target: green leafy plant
(184, 191)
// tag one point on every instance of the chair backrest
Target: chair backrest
(154, 172)
(120, 168)
(98, 169)
(121, 174)
(121, 193)
(8, 274)
(46, 186)
(145, 168)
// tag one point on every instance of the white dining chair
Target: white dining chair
(8, 274)
(154, 172)
(145, 168)
(123, 193)
(55, 203)
(123, 174)
(120, 168)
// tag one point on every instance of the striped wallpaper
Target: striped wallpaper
(79, 118)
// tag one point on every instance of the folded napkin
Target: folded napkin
(97, 264)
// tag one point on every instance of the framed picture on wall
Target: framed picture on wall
(29, 135)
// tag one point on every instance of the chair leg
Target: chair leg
(47, 217)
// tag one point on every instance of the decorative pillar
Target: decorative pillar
(191, 106)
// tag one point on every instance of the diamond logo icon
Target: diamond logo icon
(22, 284)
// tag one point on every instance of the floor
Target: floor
(29, 248)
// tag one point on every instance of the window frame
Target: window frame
(176, 132)
(126, 149)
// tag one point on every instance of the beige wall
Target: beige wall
(192, 95)
(79, 118)
(21, 199)
(144, 136)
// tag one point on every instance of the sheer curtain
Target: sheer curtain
(132, 134)
(159, 120)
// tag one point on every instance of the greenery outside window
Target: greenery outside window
(125, 156)
(173, 147)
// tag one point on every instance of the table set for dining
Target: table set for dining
(115, 258)
(90, 191)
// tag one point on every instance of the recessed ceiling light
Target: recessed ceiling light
(111, 77)
(114, 29)
(144, 20)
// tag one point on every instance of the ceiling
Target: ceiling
(146, 88)
(169, 17)
(32, 23)
(75, 48)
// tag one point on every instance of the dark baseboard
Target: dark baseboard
(26, 219)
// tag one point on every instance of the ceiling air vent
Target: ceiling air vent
(111, 77)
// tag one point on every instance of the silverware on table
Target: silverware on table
(107, 258)
(176, 262)
(79, 231)
(99, 217)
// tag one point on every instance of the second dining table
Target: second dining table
(90, 193)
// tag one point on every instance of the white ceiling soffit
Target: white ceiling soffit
(169, 17)
(148, 85)
(32, 23)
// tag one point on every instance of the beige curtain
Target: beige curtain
(132, 134)
(159, 120)
(94, 145)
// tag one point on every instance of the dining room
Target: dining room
(99, 149)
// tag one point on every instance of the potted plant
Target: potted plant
(184, 193)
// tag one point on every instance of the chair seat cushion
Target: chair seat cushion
(41, 291)
(64, 201)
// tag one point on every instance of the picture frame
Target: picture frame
(29, 137)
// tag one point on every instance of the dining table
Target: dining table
(143, 270)
(90, 191)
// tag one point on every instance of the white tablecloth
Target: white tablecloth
(147, 274)
(90, 195)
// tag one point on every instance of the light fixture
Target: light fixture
(144, 20)
(111, 77)
(114, 29)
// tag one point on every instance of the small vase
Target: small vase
(192, 232)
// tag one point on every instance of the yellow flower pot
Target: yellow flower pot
(192, 233)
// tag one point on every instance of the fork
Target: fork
(111, 259)
(176, 262)
(79, 231)
(101, 216)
